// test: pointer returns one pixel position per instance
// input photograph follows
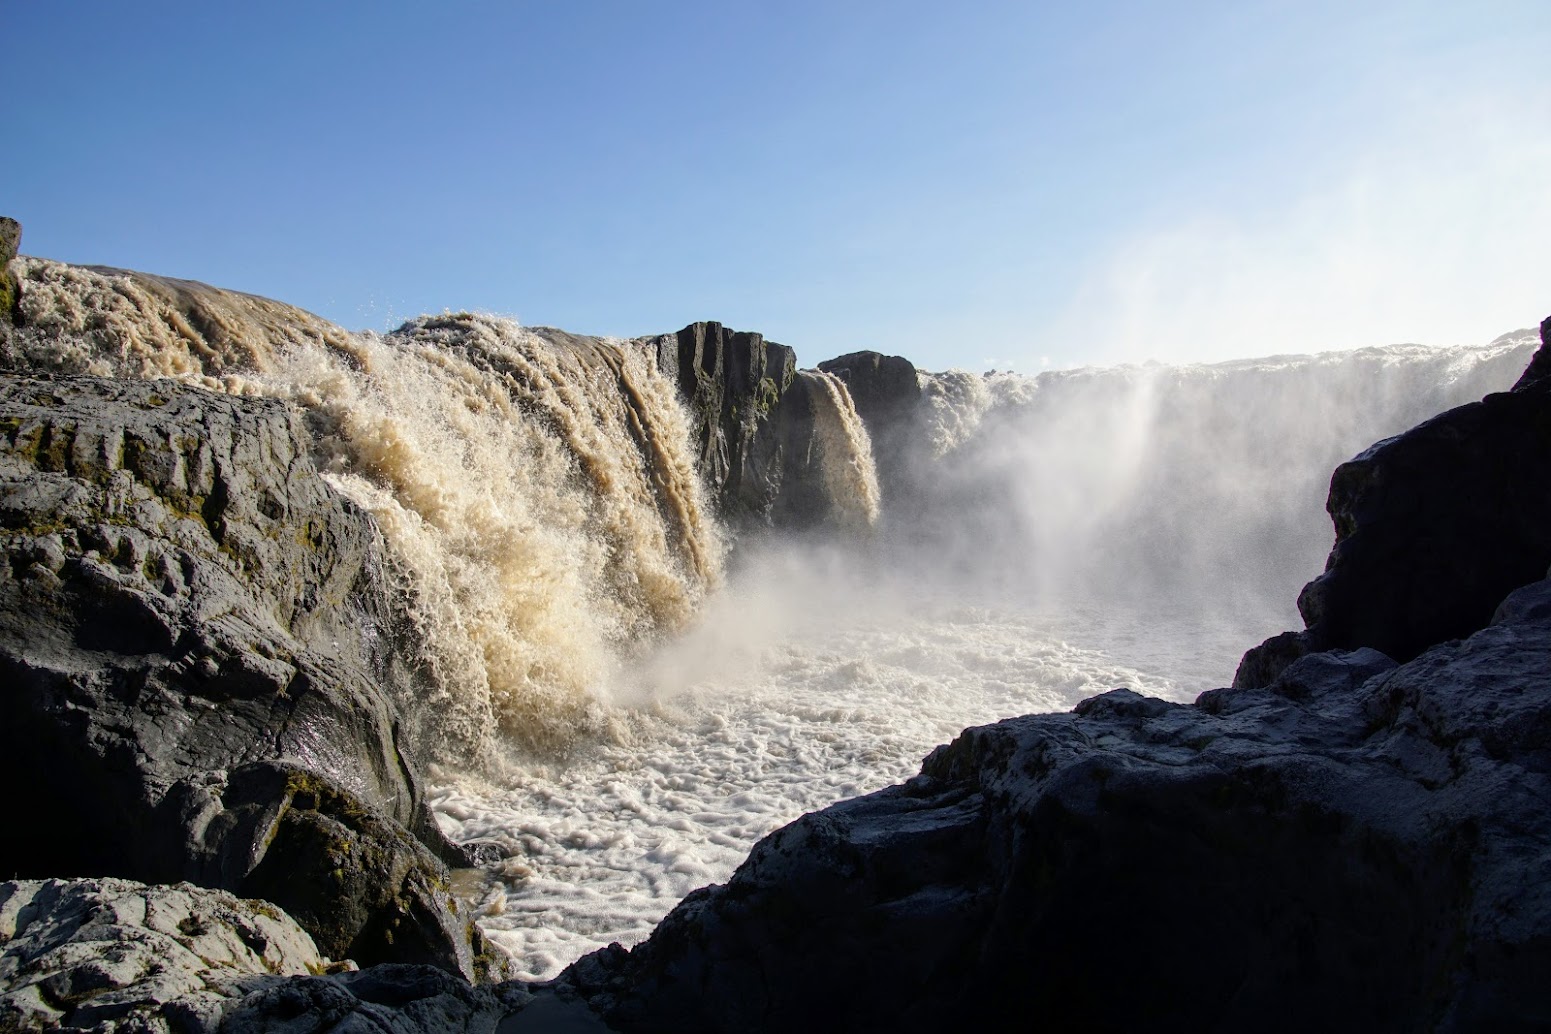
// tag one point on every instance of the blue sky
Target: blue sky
(980, 184)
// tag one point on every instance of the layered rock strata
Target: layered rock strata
(734, 384)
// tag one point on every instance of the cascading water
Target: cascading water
(849, 474)
(1193, 487)
(541, 502)
(1055, 537)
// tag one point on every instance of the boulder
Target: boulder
(201, 671)
(388, 999)
(117, 955)
(1362, 846)
(1433, 528)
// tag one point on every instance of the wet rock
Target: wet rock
(202, 626)
(887, 393)
(735, 385)
(116, 955)
(10, 288)
(1364, 848)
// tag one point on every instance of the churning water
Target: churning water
(620, 710)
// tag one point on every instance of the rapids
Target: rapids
(622, 703)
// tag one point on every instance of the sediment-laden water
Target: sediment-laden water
(618, 708)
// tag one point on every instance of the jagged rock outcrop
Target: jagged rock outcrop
(735, 384)
(1361, 846)
(1539, 363)
(1433, 528)
(118, 956)
(200, 667)
(93, 954)
(887, 393)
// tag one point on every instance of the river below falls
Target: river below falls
(797, 689)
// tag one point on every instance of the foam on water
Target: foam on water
(636, 729)
(803, 686)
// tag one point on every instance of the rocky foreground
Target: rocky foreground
(216, 820)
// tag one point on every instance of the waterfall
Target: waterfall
(540, 499)
(1194, 487)
(845, 458)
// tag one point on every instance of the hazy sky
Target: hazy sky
(971, 184)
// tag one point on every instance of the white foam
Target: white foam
(804, 685)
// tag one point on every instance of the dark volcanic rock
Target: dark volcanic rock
(396, 999)
(117, 956)
(1363, 848)
(734, 384)
(1433, 528)
(1540, 362)
(887, 393)
(200, 669)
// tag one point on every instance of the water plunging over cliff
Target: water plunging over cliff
(846, 452)
(541, 499)
(1194, 487)
(1047, 538)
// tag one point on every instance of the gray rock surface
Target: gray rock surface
(1360, 846)
(116, 955)
(200, 627)
(388, 999)
(119, 957)
(10, 290)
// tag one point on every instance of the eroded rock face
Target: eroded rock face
(1435, 526)
(1360, 846)
(113, 954)
(734, 383)
(1540, 362)
(199, 666)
